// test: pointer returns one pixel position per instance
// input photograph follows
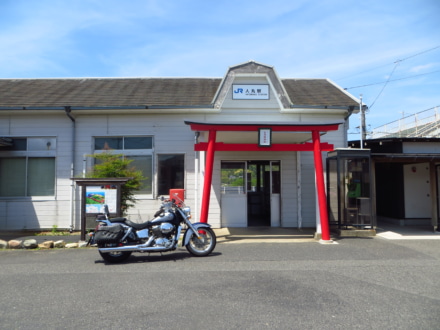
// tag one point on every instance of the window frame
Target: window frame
(158, 168)
(132, 152)
(28, 154)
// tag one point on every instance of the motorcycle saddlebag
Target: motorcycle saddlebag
(109, 234)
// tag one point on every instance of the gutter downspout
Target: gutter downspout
(68, 110)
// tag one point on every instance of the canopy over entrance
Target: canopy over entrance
(269, 136)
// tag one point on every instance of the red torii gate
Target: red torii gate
(316, 146)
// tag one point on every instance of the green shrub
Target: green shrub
(109, 165)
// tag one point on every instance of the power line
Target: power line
(396, 63)
(404, 59)
(425, 51)
(386, 83)
(377, 67)
(379, 83)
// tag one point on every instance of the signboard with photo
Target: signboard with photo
(97, 196)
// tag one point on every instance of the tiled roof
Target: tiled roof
(95, 92)
(134, 92)
(319, 92)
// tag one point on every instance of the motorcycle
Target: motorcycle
(118, 238)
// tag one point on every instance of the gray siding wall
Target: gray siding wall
(40, 212)
(171, 135)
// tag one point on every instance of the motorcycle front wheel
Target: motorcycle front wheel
(204, 245)
(114, 257)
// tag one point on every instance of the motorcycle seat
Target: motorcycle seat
(138, 226)
(116, 220)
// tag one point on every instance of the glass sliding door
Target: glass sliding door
(233, 194)
(251, 193)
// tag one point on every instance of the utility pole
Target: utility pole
(363, 125)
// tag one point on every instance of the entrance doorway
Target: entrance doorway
(251, 193)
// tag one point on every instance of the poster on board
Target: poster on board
(97, 196)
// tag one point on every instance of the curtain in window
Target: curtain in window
(41, 177)
(12, 177)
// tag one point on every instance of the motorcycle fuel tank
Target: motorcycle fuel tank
(164, 217)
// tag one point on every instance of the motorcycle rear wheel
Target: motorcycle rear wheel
(114, 257)
(203, 246)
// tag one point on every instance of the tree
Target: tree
(109, 165)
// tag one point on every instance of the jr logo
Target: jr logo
(239, 90)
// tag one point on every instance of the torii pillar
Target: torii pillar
(209, 166)
(320, 187)
(316, 147)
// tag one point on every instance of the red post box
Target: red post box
(178, 195)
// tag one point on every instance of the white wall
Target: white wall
(171, 135)
(417, 191)
(42, 212)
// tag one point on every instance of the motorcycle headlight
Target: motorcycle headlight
(167, 206)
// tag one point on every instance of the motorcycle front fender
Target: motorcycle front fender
(189, 231)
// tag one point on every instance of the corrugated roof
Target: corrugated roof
(130, 92)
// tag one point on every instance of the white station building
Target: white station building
(248, 149)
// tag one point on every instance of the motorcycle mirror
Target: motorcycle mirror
(106, 211)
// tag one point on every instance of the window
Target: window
(144, 163)
(171, 172)
(232, 177)
(12, 177)
(124, 143)
(136, 148)
(27, 167)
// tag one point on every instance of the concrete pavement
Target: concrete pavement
(260, 234)
(362, 283)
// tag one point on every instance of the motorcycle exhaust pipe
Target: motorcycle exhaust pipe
(135, 248)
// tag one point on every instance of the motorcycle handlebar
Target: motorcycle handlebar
(172, 199)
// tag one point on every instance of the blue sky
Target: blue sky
(353, 43)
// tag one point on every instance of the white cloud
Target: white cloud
(423, 68)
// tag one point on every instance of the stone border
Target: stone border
(29, 244)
